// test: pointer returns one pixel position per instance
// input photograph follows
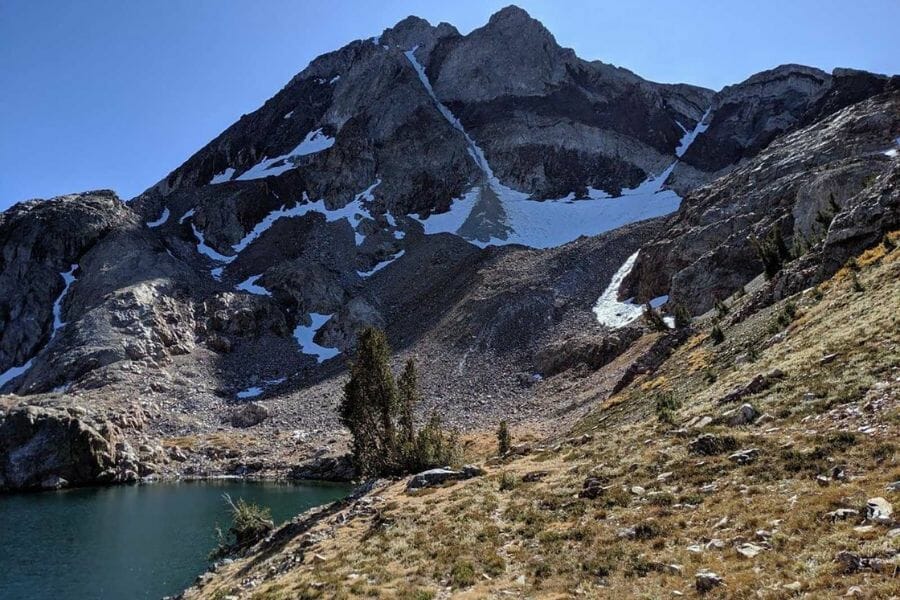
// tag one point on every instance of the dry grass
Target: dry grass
(503, 536)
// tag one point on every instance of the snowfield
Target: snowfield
(304, 335)
(552, 222)
(249, 286)
(608, 310)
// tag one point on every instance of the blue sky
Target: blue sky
(111, 94)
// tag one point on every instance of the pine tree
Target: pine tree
(370, 404)
(408, 387)
(503, 441)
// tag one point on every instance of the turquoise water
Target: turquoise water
(127, 541)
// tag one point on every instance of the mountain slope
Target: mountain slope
(473, 195)
(638, 502)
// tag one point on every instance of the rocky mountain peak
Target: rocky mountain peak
(414, 32)
(513, 55)
(514, 16)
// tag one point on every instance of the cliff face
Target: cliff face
(830, 190)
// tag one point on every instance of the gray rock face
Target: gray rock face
(793, 185)
(433, 477)
(46, 447)
(38, 242)
(747, 116)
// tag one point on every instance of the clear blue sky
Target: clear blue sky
(115, 94)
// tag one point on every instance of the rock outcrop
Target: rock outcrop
(830, 189)
(46, 448)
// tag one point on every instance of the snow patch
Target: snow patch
(315, 141)
(380, 265)
(334, 79)
(187, 215)
(251, 392)
(353, 212)
(68, 279)
(608, 310)
(58, 323)
(254, 391)
(304, 335)
(249, 286)
(205, 250)
(14, 372)
(222, 177)
(659, 301)
(288, 115)
(162, 219)
(689, 136)
(893, 152)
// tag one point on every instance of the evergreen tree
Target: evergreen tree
(370, 405)
(503, 440)
(408, 387)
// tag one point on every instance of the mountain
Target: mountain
(489, 199)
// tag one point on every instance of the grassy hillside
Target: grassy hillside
(628, 504)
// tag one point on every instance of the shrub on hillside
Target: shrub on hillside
(771, 250)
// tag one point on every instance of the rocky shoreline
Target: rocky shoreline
(52, 447)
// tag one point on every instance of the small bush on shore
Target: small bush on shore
(249, 524)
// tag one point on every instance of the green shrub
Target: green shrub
(462, 574)
(682, 316)
(721, 309)
(717, 335)
(503, 438)
(772, 251)
(666, 405)
(508, 481)
(249, 524)
(788, 314)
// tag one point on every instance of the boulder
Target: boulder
(706, 581)
(709, 444)
(249, 415)
(879, 510)
(326, 468)
(749, 550)
(744, 415)
(744, 457)
(760, 383)
(433, 477)
(591, 488)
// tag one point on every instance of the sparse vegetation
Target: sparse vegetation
(654, 319)
(771, 250)
(654, 500)
(721, 309)
(682, 316)
(667, 406)
(717, 335)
